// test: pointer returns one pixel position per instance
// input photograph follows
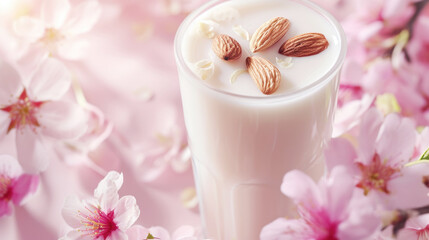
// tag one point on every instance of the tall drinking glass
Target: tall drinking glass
(243, 145)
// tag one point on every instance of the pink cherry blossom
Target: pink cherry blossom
(57, 29)
(14, 184)
(36, 113)
(384, 146)
(185, 232)
(327, 210)
(404, 84)
(416, 228)
(106, 216)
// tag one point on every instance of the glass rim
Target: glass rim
(323, 80)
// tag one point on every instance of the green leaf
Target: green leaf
(149, 236)
(425, 155)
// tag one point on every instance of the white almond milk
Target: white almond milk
(242, 141)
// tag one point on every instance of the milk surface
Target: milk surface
(242, 141)
(249, 15)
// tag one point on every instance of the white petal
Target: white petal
(10, 82)
(112, 179)
(31, 150)
(82, 18)
(159, 232)
(9, 166)
(29, 28)
(137, 232)
(77, 235)
(54, 12)
(62, 120)
(50, 82)
(126, 212)
(117, 235)
(73, 49)
(70, 211)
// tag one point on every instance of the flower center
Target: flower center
(50, 39)
(97, 223)
(375, 176)
(23, 113)
(5, 183)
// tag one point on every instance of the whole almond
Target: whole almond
(269, 33)
(226, 47)
(303, 45)
(265, 74)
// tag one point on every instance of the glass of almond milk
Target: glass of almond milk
(243, 138)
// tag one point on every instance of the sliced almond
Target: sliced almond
(226, 47)
(204, 69)
(265, 74)
(269, 33)
(303, 45)
(235, 74)
(240, 31)
(206, 28)
(284, 63)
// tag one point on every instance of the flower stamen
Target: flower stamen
(23, 113)
(375, 176)
(97, 223)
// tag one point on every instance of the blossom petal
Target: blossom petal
(107, 190)
(54, 12)
(339, 190)
(5, 208)
(408, 190)
(370, 125)
(362, 220)
(112, 177)
(160, 232)
(72, 206)
(10, 82)
(50, 82)
(396, 139)
(31, 150)
(339, 152)
(73, 49)
(23, 186)
(9, 166)
(82, 18)
(117, 235)
(77, 235)
(301, 188)
(137, 232)
(408, 234)
(126, 212)
(62, 120)
(4, 123)
(284, 229)
(421, 222)
(29, 28)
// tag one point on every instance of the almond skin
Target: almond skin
(303, 45)
(226, 47)
(265, 74)
(269, 33)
